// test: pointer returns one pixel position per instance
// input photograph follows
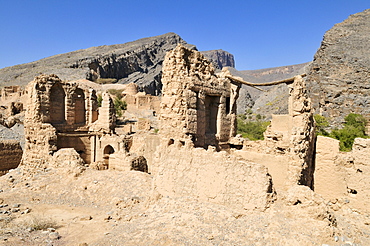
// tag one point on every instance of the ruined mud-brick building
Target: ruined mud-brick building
(197, 104)
(10, 92)
(197, 119)
(139, 100)
(66, 115)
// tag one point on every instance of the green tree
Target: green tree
(100, 100)
(321, 124)
(253, 130)
(249, 111)
(354, 127)
(119, 106)
(356, 120)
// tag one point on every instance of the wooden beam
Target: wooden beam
(286, 81)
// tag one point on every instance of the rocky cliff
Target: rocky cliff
(139, 61)
(339, 76)
(220, 58)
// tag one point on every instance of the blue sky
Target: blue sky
(260, 34)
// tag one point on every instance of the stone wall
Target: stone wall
(10, 155)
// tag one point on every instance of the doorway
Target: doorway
(108, 150)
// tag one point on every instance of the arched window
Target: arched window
(57, 104)
(79, 104)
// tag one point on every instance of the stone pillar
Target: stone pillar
(302, 137)
(70, 112)
(107, 114)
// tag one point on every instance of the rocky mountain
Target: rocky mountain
(220, 58)
(139, 61)
(339, 76)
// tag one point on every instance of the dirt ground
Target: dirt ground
(53, 207)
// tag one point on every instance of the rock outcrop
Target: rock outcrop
(220, 58)
(338, 78)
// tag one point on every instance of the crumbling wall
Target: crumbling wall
(181, 170)
(276, 163)
(343, 177)
(196, 104)
(146, 145)
(141, 101)
(80, 143)
(288, 148)
(59, 103)
(10, 155)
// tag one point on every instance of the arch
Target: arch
(79, 105)
(108, 150)
(57, 104)
(139, 164)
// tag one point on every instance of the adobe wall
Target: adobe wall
(181, 170)
(276, 163)
(146, 145)
(82, 145)
(330, 176)
(142, 102)
(10, 155)
(343, 177)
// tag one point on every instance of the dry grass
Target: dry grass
(40, 223)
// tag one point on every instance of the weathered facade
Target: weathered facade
(197, 104)
(64, 115)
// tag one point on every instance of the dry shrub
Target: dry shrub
(40, 223)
